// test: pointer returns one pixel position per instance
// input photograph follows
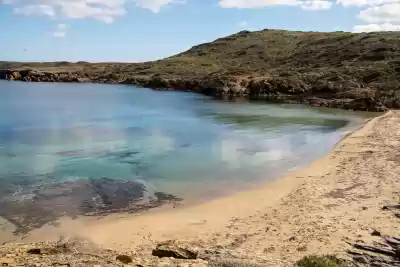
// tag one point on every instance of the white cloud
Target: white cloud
(381, 14)
(102, 10)
(62, 27)
(304, 4)
(347, 3)
(254, 3)
(27, 10)
(384, 17)
(316, 5)
(376, 27)
(156, 5)
(59, 34)
(61, 30)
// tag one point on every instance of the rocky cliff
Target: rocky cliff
(338, 69)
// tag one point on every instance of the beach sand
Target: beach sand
(337, 198)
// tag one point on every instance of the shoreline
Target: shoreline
(317, 209)
(219, 87)
(204, 194)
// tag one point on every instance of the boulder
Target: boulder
(26, 79)
(16, 75)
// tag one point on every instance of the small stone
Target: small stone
(302, 248)
(269, 249)
(124, 259)
(35, 251)
(376, 233)
(293, 238)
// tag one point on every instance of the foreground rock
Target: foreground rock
(385, 253)
(59, 253)
(172, 249)
(79, 252)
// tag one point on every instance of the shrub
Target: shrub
(321, 261)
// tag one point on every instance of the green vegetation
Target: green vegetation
(321, 261)
(368, 56)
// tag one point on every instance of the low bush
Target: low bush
(321, 261)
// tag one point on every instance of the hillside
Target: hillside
(337, 69)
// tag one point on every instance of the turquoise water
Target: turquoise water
(181, 143)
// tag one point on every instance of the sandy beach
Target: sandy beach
(337, 198)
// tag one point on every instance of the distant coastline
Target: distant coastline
(337, 69)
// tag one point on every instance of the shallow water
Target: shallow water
(181, 143)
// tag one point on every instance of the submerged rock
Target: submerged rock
(35, 206)
(161, 196)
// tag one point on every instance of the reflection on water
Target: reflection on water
(68, 136)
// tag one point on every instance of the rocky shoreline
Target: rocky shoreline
(274, 88)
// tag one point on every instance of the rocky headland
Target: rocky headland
(358, 71)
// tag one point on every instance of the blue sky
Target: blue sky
(140, 30)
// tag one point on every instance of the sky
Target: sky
(142, 30)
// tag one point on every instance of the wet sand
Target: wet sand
(314, 210)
